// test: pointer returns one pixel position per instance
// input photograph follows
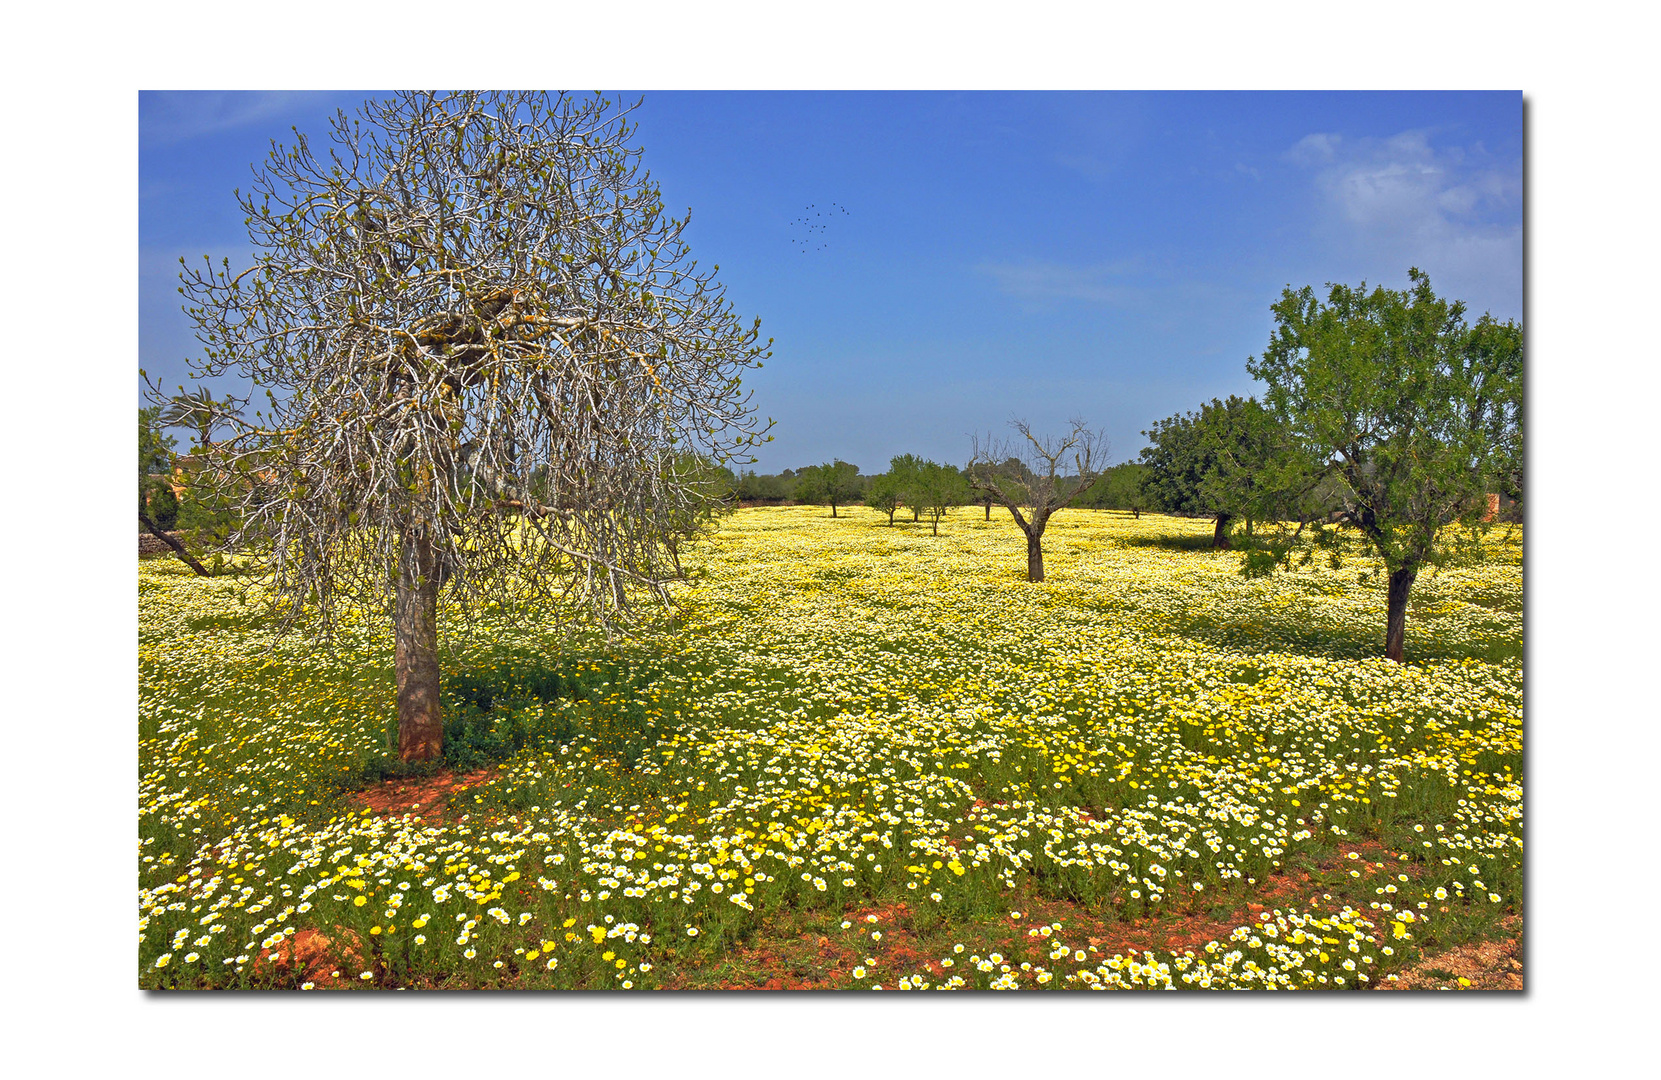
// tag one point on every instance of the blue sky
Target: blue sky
(1040, 255)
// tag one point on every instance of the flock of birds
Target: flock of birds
(811, 226)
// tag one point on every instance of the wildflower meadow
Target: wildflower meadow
(855, 755)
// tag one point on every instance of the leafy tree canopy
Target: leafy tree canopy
(835, 483)
(1416, 411)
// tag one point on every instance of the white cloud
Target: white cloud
(1314, 149)
(1403, 201)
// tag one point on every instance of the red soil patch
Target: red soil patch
(897, 952)
(427, 799)
(316, 955)
(813, 948)
(1486, 965)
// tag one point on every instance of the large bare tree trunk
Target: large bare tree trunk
(178, 548)
(988, 509)
(1395, 622)
(415, 625)
(1219, 536)
(1035, 556)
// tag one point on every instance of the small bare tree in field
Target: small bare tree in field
(1030, 478)
(491, 367)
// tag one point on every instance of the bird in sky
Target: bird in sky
(810, 228)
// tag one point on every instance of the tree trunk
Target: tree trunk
(1395, 622)
(1219, 536)
(988, 509)
(178, 548)
(916, 513)
(1035, 556)
(833, 509)
(890, 518)
(1137, 510)
(415, 624)
(1248, 526)
(935, 525)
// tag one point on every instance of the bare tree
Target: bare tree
(1032, 478)
(487, 357)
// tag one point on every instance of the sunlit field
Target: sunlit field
(863, 757)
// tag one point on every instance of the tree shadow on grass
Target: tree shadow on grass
(1188, 542)
(1260, 633)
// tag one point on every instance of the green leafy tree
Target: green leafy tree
(765, 488)
(1231, 460)
(158, 507)
(835, 483)
(1417, 411)
(155, 450)
(164, 506)
(1258, 472)
(1120, 488)
(207, 512)
(1174, 465)
(883, 495)
(905, 469)
(156, 502)
(937, 489)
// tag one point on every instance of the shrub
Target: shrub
(163, 504)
